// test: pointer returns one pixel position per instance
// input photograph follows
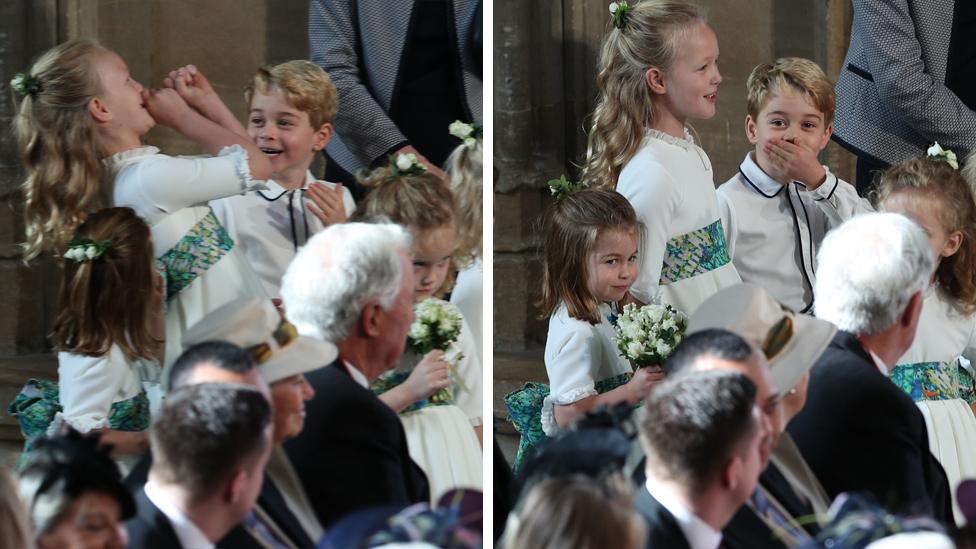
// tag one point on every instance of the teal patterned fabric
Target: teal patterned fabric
(391, 379)
(200, 248)
(694, 253)
(38, 402)
(934, 381)
(525, 411)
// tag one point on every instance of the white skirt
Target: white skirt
(442, 441)
(952, 440)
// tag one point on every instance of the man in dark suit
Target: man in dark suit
(703, 434)
(858, 431)
(352, 284)
(210, 444)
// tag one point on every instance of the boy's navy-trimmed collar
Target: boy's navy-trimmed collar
(275, 191)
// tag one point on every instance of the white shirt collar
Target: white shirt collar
(882, 367)
(698, 533)
(758, 179)
(275, 190)
(356, 374)
(187, 532)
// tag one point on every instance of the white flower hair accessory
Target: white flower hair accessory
(470, 134)
(618, 13)
(407, 164)
(83, 249)
(937, 152)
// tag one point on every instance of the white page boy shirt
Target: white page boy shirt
(774, 231)
(270, 225)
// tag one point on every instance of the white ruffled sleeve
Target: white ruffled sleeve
(470, 401)
(88, 386)
(572, 346)
(162, 184)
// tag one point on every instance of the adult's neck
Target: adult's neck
(209, 516)
(363, 355)
(707, 505)
(886, 344)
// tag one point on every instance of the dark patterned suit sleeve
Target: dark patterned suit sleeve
(905, 84)
(334, 43)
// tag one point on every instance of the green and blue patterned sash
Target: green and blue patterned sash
(934, 381)
(525, 410)
(39, 401)
(389, 380)
(199, 249)
(694, 253)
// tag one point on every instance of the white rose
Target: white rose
(460, 129)
(470, 142)
(91, 252)
(613, 8)
(654, 313)
(74, 254)
(634, 349)
(663, 348)
(935, 149)
(403, 161)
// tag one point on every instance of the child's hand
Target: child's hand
(326, 204)
(191, 84)
(166, 106)
(795, 162)
(643, 381)
(430, 376)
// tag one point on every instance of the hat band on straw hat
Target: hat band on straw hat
(777, 337)
(284, 334)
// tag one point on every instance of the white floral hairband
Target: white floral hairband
(407, 164)
(937, 152)
(82, 250)
(470, 134)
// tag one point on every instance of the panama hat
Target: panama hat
(791, 342)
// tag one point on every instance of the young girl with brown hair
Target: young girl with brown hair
(79, 127)
(109, 335)
(659, 68)
(443, 436)
(937, 371)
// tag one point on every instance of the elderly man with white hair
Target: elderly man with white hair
(352, 285)
(858, 431)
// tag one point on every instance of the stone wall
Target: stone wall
(544, 87)
(227, 39)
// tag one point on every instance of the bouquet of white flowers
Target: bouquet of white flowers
(437, 326)
(647, 335)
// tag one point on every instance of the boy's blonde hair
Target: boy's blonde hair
(305, 85)
(465, 166)
(58, 146)
(625, 108)
(795, 73)
(570, 229)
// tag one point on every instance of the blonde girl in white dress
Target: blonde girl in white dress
(936, 371)
(443, 435)
(658, 69)
(79, 128)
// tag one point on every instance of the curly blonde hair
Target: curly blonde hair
(465, 166)
(625, 107)
(56, 139)
(935, 179)
(305, 86)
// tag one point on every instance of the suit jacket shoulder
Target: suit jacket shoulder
(662, 528)
(150, 528)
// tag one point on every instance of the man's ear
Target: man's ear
(371, 320)
(322, 137)
(99, 111)
(235, 487)
(732, 473)
(655, 81)
(913, 309)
